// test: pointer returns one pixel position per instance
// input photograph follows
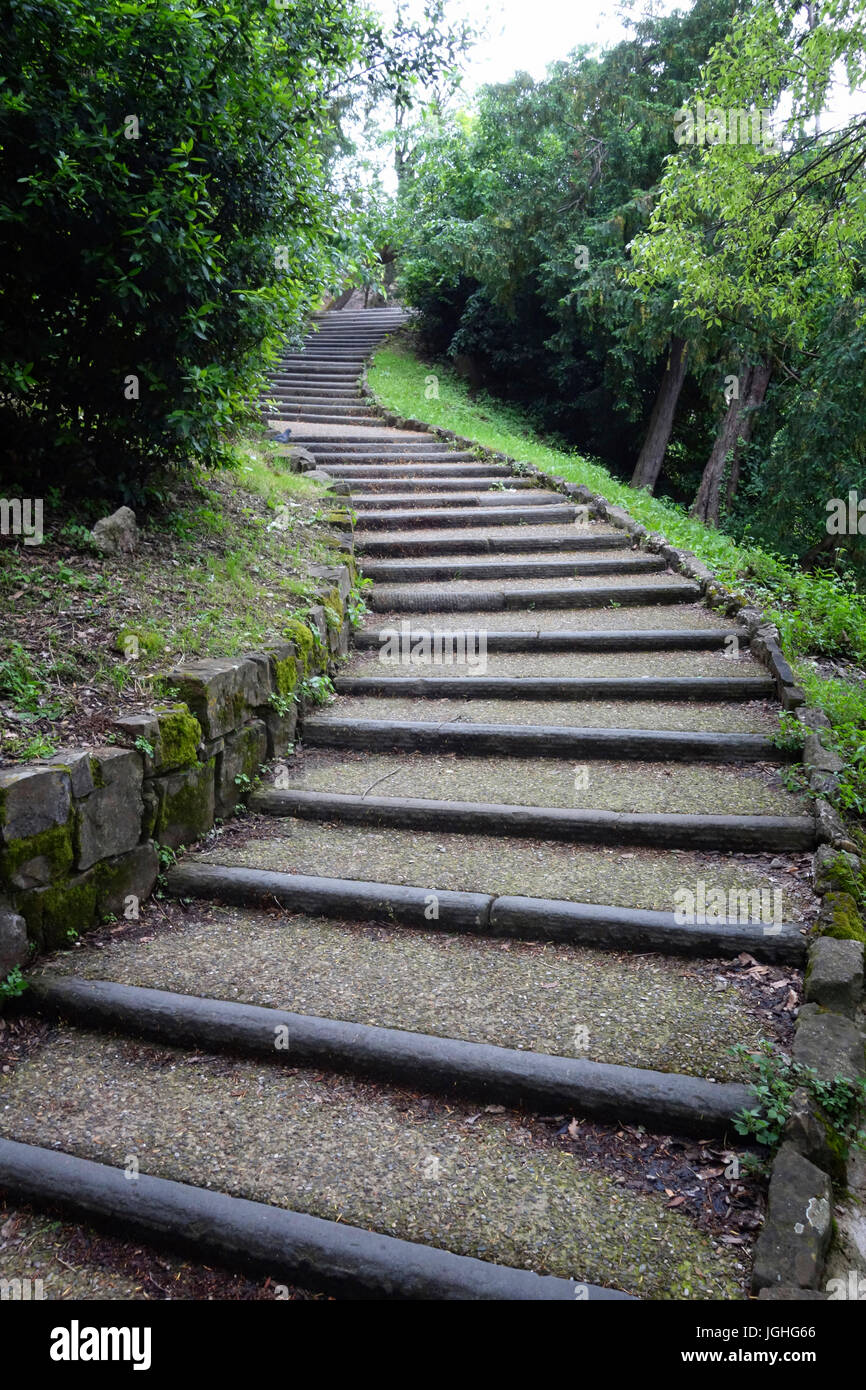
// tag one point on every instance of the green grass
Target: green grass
(819, 615)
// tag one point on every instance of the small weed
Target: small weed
(13, 985)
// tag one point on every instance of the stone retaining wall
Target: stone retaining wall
(80, 831)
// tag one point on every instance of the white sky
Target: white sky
(528, 34)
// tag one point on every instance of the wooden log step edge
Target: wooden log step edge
(667, 1101)
(484, 914)
(330, 1256)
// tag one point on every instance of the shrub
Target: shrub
(164, 219)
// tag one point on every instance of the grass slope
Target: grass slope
(219, 570)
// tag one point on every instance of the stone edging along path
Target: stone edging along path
(228, 723)
(794, 1240)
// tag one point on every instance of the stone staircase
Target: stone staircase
(450, 1015)
(319, 384)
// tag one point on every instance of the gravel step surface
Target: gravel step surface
(642, 878)
(701, 789)
(751, 716)
(472, 1181)
(651, 1011)
(554, 665)
(662, 617)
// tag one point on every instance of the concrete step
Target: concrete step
(672, 831)
(478, 739)
(280, 413)
(368, 491)
(607, 1092)
(373, 1220)
(467, 686)
(696, 885)
(563, 640)
(426, 464)
(757, 717)
(465, 516)
(455, 499)
(420, 572)
(410, 599)
(468, 541)
(463, 652)
(391, 905)
(546, 623)
(332, 1256)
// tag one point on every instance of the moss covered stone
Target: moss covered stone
(334, 609)
(186, 804)
(238, 766)
(286, 675)
(841, 919)
(179, 737)
(56, 913)
(75, 905)
(307, 643)
(40, 858)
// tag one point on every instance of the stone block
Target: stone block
(73, 905)
(828, 1043)
(807, 1129)
(33, 799)
(36, 825)
(222, 692)
(238, 765)
(76, 761)
(795, 1237)
(834, 979)
(109, 820)
(280, 730)
(14, 948)
(185, 809)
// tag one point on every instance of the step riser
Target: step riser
(288, 1246)
(676, 639)
(367, 469)
(481, 516)
(671, 1102)
(744, 834)
(292, 415)
(367, 488)
(484, 500)
(494, 601)
(480, 545)
(408, 573)
(703, 689)
(476, 740)
(527, 919)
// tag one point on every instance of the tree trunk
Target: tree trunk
(652, 454)
(735, 431)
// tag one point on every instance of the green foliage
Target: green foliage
(179, 250)
(776, 1078)
(844, 703)
(356, 608)
(14, 984)
(142, 746)
(318, 690)
(791, 734)
(503, 197)
(24, 682)
(283, 704)
(764, 245)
